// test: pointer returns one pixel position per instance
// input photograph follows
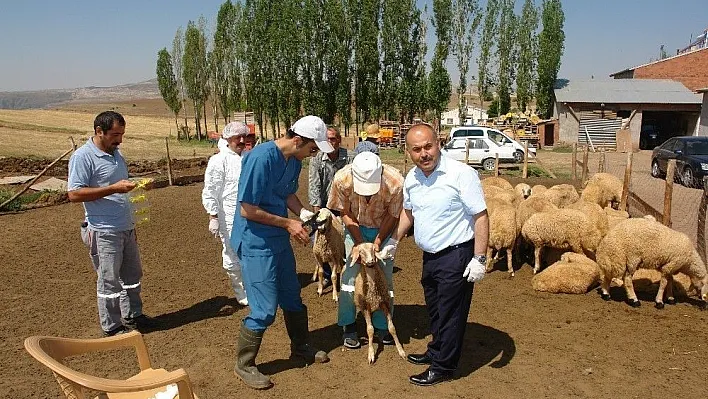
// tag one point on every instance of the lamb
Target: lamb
(497, 182)
(603, 189)
(328, 248)
(538, 189)
(502, 231)
(561, 229)
(523, 190)
(645, 243)
(561, 195)
(594, 212)
(572, 274)
(614, 217)
(529, 206)
(371, 294)
(507, 195)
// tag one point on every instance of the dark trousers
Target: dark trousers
(448, 296)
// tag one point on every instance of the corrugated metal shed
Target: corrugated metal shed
(627, 91)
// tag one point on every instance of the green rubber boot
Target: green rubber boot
(296, 324)
(249, 342)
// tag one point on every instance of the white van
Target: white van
(494, 135)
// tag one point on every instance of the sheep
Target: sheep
(507, 195)
(645, 243)
(538, 189)
(529, 206)
(523, 190)
(561, 195)
(647, 280)
(371, 294)
(572, 274)
(562, 229)
(496, 181)
(603, 189)
(594, 212)
(502, 231)
(614, 217)
(328, 248)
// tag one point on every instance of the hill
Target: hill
(58, 97)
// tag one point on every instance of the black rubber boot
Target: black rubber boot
(296, 324)
(249, 343)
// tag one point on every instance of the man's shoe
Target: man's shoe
(141, 322)
(351, 341)
(116, 331)
(419, 359)
(385, 337)
(429, 378)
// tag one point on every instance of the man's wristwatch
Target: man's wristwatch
(481, 258)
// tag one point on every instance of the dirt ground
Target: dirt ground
(519, 343)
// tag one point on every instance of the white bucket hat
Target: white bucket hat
(235, 129)
(313, 128)
(367, 170)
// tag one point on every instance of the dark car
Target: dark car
(691, 155)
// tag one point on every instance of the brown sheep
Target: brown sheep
(502, 232)
(603, 189)
(371, 294)
(328, 248)
(561, 195)
(497, 182)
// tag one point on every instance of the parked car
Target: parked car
(482, 151)
(649, 137)
(691, 155)
(495, 135)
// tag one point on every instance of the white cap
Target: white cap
(367, 170)
(314, 128)
(235, 129)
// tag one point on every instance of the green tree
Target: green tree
(177, 55)
(222, 61)
(550, 49)
(439, 87)
(168, 84)
(412, 93)
(505, 53)
(366, 58)
(527, 44)
(466, 19)
(486, 42)
(195, 71)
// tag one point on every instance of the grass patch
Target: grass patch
(20, 201)
(560, 148)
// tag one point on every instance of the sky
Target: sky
(66, 44)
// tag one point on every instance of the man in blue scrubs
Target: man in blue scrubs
(261, 237)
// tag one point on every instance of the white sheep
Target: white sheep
(594, 212)
(497, 182)
(561, 229)
(529, 206)
(561, 195)
(328, 248)
(603, 189)
(614, 217)
(644, 243)
(538, 189)
(572, 274)
(502, 231)
(523, 190)
(507, 195)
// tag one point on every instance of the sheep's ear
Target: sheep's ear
(356, 257)
(379, 256)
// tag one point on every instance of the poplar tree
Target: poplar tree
(466, 19)
(506, 38)
(168, 84)
(486, 41)
(439, 87)
(550, 50)
(527, 54)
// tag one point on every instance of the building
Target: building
(700, 42)
(473, 115)
(703, 120)
(689, 68)
(653, 110)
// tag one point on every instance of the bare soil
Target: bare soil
(519, 343)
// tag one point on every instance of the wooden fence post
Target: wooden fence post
(496, 165)
(701, 228)
(585, 165)
(467, 152)
(668, 192)
(575, 161)
(524, 173)
(601, 166)
(624, 206)
(169, 162)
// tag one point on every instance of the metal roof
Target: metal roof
(703, 90)
(627, 91)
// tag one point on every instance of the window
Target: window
(449, 121)
(456, 144)
(478, 144)
(469, 133)
(679, 144)
(668, 145)
(497, 137)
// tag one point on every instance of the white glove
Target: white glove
(389, 250)
(474, 271)
(306, 215)
(214, 226)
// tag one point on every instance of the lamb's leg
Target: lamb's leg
(537, 258)
(370, 335)
(629, 288)
(666, 283)
(509, 262)
(490, 263)
(314, 274)
(605, 280)
(392, 330)
(320, 275)
(670, 290)
(335, 271)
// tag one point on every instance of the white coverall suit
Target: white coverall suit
(219, 198)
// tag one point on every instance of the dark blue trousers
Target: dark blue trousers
(448, 297)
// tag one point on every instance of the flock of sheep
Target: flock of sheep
(599, 244)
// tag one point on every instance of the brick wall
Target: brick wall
(689, 69)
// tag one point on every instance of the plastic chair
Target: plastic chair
(50, 351)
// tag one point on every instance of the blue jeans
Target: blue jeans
(346, 313)
(270, 281)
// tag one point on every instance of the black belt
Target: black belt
(469, 243)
